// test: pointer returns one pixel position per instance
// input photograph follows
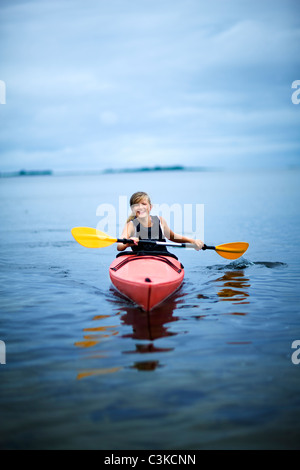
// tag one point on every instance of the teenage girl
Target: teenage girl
(142, 226)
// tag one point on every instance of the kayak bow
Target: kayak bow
(146, 280)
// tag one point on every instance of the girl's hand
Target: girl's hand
(123, 246)
(198, 244)
(135, 240)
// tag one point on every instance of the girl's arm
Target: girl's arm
(128, 232)
(174, 237)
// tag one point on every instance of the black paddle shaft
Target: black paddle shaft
(154, 242)
(150, 242)
(205, 247)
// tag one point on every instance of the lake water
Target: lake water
(210, 369)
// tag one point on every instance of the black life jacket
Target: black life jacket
(149, 233)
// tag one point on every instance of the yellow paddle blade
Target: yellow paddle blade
(92, 238)
(232, 250)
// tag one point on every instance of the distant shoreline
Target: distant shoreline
(13, 174)
(144, 169)
(24, 173)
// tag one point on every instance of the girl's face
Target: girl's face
(141, 209)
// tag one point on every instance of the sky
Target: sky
(99, 84)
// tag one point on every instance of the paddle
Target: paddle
(93, 238)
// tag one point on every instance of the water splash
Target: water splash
(244, 263)
(270, 264)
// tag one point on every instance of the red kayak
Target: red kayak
(147, 280)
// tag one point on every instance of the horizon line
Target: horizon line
(142, 169)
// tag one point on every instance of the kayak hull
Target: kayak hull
(146, 280)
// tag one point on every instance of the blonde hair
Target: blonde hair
(135, 199)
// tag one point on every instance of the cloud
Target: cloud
(129, 82)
